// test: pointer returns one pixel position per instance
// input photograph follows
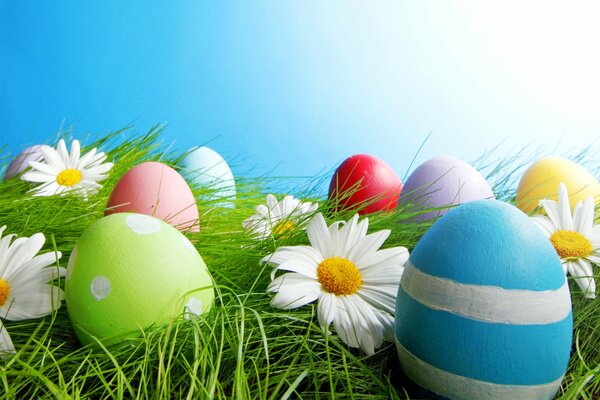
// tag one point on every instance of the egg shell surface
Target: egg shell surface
(364, 183)
(155, 189)
(205, 167)
(128, 272)
(21, 162)
(483, 308)
(541, 180)
(439, 184)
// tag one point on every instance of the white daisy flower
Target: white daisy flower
(355, 283)
(575, 238)
(24, 289)
(279, 217)
(6, 344)
(62, 171)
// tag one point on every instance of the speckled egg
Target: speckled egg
(204, 167)
(130, 271)
(483, 308)
(441, 183)
(21, 162)
(364, 183)
(542, 178)
(155, 189)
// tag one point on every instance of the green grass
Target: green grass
(244, 348)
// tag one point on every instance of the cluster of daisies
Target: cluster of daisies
(353, 281)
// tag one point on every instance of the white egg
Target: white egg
(205, 167)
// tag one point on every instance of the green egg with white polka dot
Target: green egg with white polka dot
(129, 272)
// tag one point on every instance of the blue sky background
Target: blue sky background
(304, 84)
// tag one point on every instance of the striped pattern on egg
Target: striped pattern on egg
(483, 309)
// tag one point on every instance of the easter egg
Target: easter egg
(542, 178)
(204, 167)
(441, 183)
(129, 272)
(21, 162)
(364, 183)
(155, 189)
(483, 308)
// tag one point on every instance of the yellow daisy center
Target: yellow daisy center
(4, 291)
(69, 177)
(571, 244)
(339, 276)
(283, 226)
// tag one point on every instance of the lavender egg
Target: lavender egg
(21, 162)
(441, 183)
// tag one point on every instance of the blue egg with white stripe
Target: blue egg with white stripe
(483, 309)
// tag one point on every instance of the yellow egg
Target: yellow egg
(541, 181)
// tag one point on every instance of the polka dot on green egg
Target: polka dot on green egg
(100, 287)
(193, 307)
(142, 224)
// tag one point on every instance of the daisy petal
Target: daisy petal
(371, 337)
(98, 169)
(368, 246)
(262, 210)
(343, 324)
(6, 345)
(583, 216)
(20, 254)
(52, 157)
(49, 189)
(271, 201)
(326, 310)
(595, 259)
(37, 271)
(392, 256)
(581, 270)
(380, 297)
(63, 153)
(551, 208)
(545, 225)
(44, 168)
(387, 322)
(348, 237)
(38, 304)
(293, 290)
(85, 159)
(318, 235)
(75, 153)
(97, 159)
(564, 208)
(294, 261)
(36, 176)
(595, 232)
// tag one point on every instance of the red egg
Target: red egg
(158, 190)
(364, 183)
